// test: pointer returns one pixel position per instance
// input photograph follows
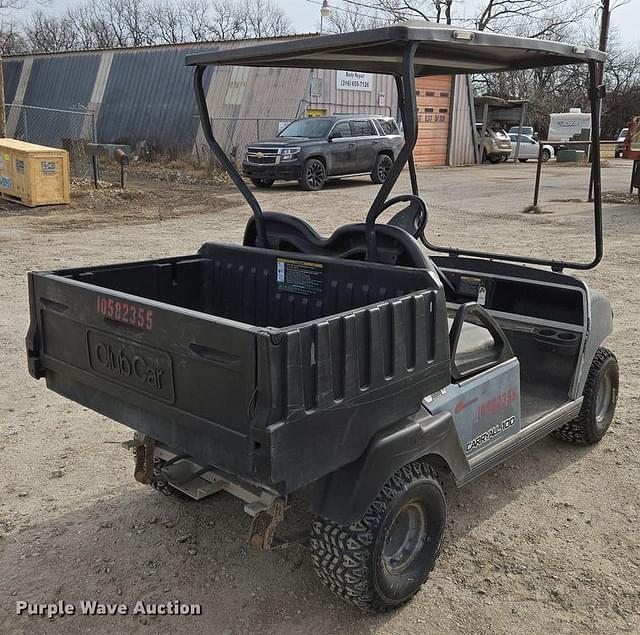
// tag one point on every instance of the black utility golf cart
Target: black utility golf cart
(345, 369)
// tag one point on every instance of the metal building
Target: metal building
(143, 96)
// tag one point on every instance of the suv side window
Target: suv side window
(388, 126)
(363, 128)
(341, 129)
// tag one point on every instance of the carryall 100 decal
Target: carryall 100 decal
(491, 434)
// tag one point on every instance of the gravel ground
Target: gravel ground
(546, 542)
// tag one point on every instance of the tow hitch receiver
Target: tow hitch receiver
(156, 465)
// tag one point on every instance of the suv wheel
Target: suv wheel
(381, 561)
(263, 182)
(381, 169)
(599, 402)
(314, 175)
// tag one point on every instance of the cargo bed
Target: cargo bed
(276, 367)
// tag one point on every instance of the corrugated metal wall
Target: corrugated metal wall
(146, 94)
(381, 99)
(11, 70)
(62, 81)
(248, 104)
(461, 134)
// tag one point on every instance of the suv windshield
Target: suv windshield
(312, 128)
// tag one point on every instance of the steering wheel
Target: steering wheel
(412, 218)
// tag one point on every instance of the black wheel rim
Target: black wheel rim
(405, 538)
(315, 174)
(384, 167)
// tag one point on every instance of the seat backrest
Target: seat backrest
(289, 233)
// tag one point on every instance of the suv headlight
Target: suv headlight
(289, 154)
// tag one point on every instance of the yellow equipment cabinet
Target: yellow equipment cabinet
(33, 175)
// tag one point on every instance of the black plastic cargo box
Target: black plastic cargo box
(276, 367)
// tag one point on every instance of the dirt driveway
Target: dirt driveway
(547, 542)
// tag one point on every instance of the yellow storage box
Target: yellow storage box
(33, 175)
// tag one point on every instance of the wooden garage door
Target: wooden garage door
(433, 95)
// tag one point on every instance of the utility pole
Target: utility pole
(604, 33)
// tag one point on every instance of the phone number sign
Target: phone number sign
(352, 80)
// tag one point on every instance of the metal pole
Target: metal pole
(536, 190)
(596, 101)
(410, 137)
(94, 133)
(472, 113)
(412, 164)
(485, 116)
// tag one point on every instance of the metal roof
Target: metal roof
(441, 50)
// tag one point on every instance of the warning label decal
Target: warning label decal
(299, 276)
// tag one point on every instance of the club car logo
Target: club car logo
(132, 364)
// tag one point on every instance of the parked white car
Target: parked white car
(529, 149)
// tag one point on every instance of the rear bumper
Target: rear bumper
(277, 172)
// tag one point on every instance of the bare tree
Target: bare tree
(262, 18)
(46, 33)
(354, 19)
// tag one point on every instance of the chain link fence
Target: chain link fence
(56, 128)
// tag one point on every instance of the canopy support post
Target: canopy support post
(407, 99)
(403, 117)
(219, 154)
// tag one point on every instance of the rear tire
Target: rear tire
(599, 402)
(523, 160)
(381, 168)
(546, 155)
(263, 182)
(380, 562)
(314, 175)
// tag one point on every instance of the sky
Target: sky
(305, 17)
(305, 14)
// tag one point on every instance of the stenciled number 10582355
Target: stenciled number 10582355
(126, 312)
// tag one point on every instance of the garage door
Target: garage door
(433, 95)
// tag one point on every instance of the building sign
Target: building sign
(352, 80)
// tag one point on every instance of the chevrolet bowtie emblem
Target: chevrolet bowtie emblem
(259, 155)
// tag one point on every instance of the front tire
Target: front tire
(314, 175)
(381, 168)
(380, 562)
(600, 396)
